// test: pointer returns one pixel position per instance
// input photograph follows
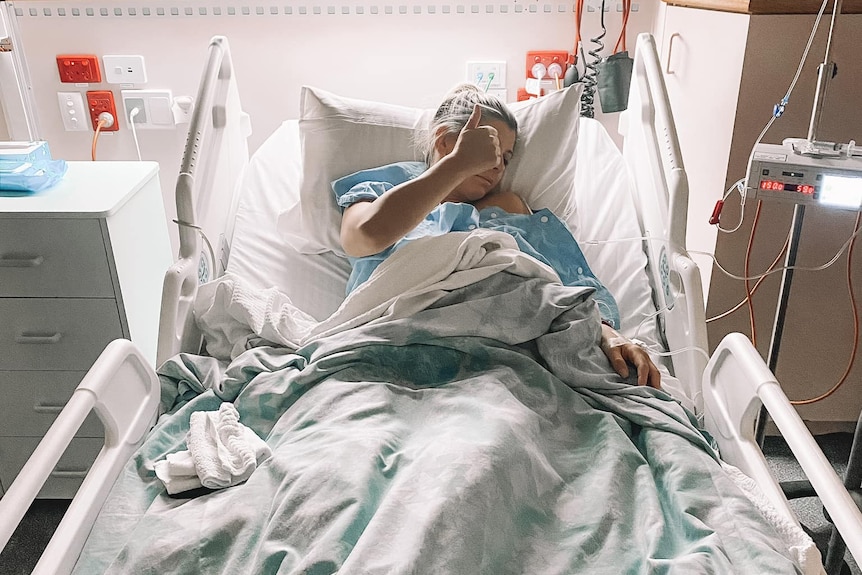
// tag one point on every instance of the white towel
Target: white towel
(225, 452)
(177, 472)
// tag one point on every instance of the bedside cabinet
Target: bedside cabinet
(81, 264)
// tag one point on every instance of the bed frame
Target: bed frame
(123, 389)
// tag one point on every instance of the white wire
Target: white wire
(680, 350)
(135, 111)
(739, 186)
(782, 268)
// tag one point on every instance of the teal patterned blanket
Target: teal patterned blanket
(484, 434)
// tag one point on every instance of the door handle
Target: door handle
(670, 40)
(38, 338)
(20, 261)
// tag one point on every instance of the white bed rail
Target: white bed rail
(653, 155)
(215, 153)
(736, 383)
(123, 390)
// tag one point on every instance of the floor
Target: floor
(20, 555)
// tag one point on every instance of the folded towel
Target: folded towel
(176, 482)
(181, 464)
(225, 452)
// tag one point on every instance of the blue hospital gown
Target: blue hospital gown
(540, 234)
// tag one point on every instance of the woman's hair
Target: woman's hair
(453, 113)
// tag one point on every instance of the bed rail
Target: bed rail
(736, 383)
(653, 155)
(123, 390)
(215, 153)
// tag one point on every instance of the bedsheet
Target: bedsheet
(483, 433)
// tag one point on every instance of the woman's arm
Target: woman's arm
(621, 351)
(369, 227)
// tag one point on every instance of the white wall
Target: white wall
(411, 56)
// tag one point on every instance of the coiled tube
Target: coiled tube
(588, 96)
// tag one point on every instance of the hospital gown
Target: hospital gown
(540, 234)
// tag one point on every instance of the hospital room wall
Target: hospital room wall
(819, 333)
(405, 58)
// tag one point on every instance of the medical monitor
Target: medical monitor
(781, 172)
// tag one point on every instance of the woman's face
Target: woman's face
(479, 185)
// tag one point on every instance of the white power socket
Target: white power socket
(154, 106)
(124, 69)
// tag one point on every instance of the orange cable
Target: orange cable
(627, 6)
(579, 12)
(855, 325)
(96, 139)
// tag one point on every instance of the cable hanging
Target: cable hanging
(588, 96)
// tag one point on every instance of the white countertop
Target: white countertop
(87, 190)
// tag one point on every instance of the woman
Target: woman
(470, 143)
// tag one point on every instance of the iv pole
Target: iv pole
(853, 473)
(825, 72)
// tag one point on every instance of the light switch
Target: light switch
(73, 111)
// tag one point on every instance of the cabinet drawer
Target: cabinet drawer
(66, 477)
(32, 400)
(53, 257)
(55, 334)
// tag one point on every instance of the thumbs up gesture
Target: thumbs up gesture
(478, 147)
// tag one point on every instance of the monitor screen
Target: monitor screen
(841, 191)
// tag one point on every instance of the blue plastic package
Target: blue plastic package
(30, 176)
(27, 167)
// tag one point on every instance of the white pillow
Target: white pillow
(341, 136)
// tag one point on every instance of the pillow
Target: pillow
(341, 136)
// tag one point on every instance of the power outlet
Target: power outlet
(124, 69)
(154, 108)
(547, 64)
(487, 75)
(99, 101)
(79, 68)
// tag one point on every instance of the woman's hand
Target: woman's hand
(477, 148)
(621, 352)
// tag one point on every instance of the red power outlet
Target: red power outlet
(551, 62)
(99, 101)
(79, 68)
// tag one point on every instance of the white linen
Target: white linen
(221, 452)
(231, 313)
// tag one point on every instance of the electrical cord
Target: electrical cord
(105, 120)
(135, 111)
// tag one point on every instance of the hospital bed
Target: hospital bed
(248, 270)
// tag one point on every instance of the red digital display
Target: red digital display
(777, 186)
